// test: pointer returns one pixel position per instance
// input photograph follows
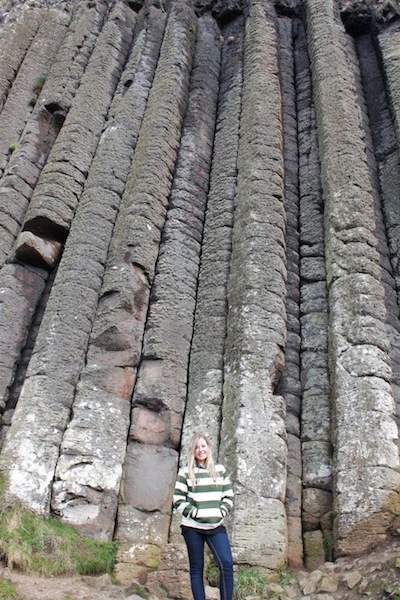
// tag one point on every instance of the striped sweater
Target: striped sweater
(204, 505)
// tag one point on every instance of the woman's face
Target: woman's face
(201, 451)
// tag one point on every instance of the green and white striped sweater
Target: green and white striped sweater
(204, 505)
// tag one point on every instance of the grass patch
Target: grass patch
(49, 547)
(8, 591)
(249, 582)
(286, 578)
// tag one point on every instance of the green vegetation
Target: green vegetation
(328, 545)
(38, 85)
(249, 582)
(286, 578)
(49, 547)
(12, 148)
(7, 591)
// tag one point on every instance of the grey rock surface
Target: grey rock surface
(200, 229)
(356, 360)
(256, 325)
(52, 374)
(161, 383)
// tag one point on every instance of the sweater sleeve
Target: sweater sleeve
(227, 495)
(181, 502)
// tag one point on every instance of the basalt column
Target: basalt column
(19, 181)
(256, 326)
(16, 39)
(31, 74)
(315, 389)
(389, 44)
(381, 233)
(94, 221)
(160, 391)
(366, 476)
(206, 368)
(30, 453)
(51, 98)
(289, 385)
(88, 479)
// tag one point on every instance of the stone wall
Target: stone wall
(200, 229)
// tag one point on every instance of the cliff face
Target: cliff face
(200, 229)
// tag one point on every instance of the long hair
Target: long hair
(210, 466)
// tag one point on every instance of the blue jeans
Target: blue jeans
(219, 545)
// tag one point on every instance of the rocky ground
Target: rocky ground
(376, 576)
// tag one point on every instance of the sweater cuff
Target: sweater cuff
(187, 511)
(224, 511)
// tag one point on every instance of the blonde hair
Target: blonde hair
(210, 466)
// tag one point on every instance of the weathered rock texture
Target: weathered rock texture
(200, 229)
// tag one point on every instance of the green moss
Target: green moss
(8, 591)
(38, 84)
(328, 545)
(49, 547)
(249, 582)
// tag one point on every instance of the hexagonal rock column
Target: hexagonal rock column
(289, 385)
(16, 39)
(389, 43)
(30, 455)
(384, 217)
(52, 104)
(206, 367)
(315, 388)
(161, 387)
(62, 180)
(88, 477)
(34, 69)
(366, 475)
(253, 436)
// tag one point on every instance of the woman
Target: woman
(203, 495)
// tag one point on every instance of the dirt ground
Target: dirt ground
(64, 588)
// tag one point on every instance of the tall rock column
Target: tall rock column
(206, 367)
(315, 388)
(31, 74)
(16, 39)
(88, 478)
(80, 282)
(389, 42)
(253, 437)
(289, 385)
(31, 452)
(51, 104)
(366, 472)
(160, 391)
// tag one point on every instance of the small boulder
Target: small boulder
(309, 582)
(352, 579)
(328, 583)
(212, 593)
(275, 588)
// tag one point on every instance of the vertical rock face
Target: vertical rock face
(366, 454)
(200, 230)
(256, 326)
(315, 396)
